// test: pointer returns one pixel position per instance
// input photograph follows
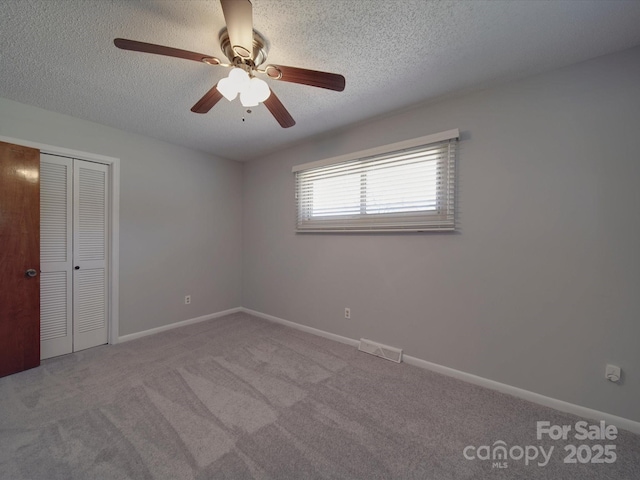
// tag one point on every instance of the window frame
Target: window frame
(414, 221)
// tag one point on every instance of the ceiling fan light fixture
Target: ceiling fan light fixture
(232, 85)
(238, 81)
(252, 90)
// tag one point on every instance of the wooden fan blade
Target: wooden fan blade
(207, 102)
(275, 106)
(136, 46)
(330, 81)
(238, 14)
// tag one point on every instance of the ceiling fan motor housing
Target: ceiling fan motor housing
(258, 56)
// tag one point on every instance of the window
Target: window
(406, 186)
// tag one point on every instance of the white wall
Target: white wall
(179, 217)
(540, 287)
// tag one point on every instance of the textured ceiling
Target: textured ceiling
(59, 55)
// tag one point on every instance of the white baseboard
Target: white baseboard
(556, 404)
(304, 328)
(133, 336)
(533, 397)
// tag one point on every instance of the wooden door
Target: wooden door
(19, 258)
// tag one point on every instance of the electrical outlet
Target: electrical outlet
(187, 299)
(612, 373)
(347, 313)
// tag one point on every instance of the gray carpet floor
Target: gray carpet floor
(241, 398)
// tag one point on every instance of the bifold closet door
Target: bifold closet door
(56, 269)
(90, 286)
(73, 255)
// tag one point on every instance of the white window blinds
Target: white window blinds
(408, 186)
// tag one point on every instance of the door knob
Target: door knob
(77, 267)
(31, 272)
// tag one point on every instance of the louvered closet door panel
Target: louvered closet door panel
(56, 218)
(90, 255)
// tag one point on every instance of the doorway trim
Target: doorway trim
(114, 218)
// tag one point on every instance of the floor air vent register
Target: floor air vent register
(380, 350)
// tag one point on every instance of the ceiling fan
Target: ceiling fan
(246, 50)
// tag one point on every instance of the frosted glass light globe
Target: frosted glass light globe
(227, 88)
(260, 89)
